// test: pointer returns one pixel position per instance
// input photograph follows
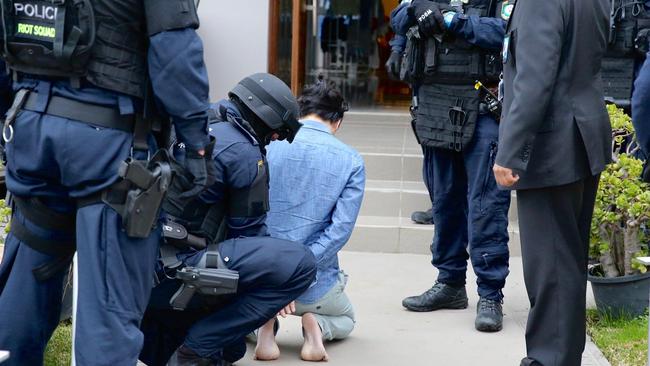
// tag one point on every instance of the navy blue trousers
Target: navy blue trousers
(60, 160)
(470, 213)
(272, 273)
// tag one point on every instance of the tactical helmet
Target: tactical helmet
(271, 100)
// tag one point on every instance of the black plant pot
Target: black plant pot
(625, 296)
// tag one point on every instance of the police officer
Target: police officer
(640, 97)
(393, 68)
(457, 43)
(272, 272)
(78, 142)
(629, 28)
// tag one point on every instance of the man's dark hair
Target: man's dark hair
(324, 100)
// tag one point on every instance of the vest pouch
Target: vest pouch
(49, 38)
(457, 67)
(412, 63)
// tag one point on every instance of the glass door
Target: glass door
(346, 41)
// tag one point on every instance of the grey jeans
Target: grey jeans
(333, 311)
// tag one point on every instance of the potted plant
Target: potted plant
(618, 233)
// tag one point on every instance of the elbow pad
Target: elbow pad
(165, 15)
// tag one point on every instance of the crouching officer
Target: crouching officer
(80, 163)
(229, 288)
(453, 45)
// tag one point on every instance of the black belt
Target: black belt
(96, 115)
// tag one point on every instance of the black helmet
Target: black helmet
(271, 100)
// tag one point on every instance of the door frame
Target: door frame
(298, 42)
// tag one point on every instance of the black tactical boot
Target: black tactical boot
(184, 356)
(423, 217)
(440, 296)
(489, 315)
(529, 362)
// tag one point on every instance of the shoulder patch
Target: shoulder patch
(506, 9)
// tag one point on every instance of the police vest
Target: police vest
(448, 103)
(101, 41)
(453, 60)
(210, 220)
(628, 42)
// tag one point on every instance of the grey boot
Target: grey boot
(440, 296)
(489, 315)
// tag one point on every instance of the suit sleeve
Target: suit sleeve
(535, 49)
(180, 83)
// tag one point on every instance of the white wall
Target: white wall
(235, 35)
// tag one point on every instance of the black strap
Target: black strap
(91, 114)
(41, 215)
(46, 246)
(59, 25)
(48, 270)
(213, 258)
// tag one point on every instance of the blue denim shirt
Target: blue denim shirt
(316, 189)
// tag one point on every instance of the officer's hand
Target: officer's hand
(505, 177)
(393, 65)
(202, 169)
(288, 310)
(428, 16)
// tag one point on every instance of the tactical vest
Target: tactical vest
(101, 41)
(210, 220)
(628, 41)
(453, 60)
(448, 103)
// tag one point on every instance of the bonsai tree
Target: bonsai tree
(622, 210)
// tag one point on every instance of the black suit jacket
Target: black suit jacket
(554, 128)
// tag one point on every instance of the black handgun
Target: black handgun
(491, 101)
(207, 281)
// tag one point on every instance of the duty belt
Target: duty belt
(92, 114)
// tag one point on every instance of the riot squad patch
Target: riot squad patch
(27, 30)
(506, 10)
(35, 20)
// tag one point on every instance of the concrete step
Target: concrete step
(380, 234)
(388, 198)
(393, 166)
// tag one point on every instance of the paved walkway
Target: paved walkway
(388, 335)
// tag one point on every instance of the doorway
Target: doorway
(345, 41)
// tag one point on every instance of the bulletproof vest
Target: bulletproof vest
(628, 42)
(209, 220)
(451, 59)
(448, 103)
(101, 41)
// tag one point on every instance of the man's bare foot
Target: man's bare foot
(313, 348)
(266, 348)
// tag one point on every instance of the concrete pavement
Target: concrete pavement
(388, 335)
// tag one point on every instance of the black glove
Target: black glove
(393, 65)
(429, 16)
(190, 180)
